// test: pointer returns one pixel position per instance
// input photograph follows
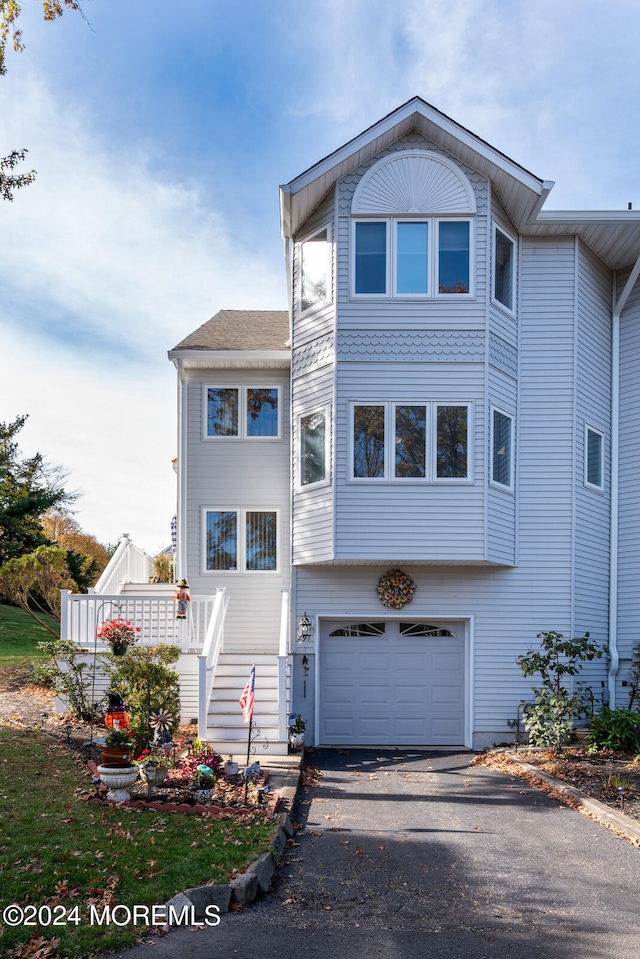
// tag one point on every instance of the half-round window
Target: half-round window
(413, 228)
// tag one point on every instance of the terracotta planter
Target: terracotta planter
(117, 756)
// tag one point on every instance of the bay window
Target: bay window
(594, 441)
(397, 441)
(315, 270)
(503, 269)
(313, 461)
(501, 449)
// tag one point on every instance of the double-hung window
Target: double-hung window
(410, 441)
(412, 257)
(240, 540)
(594, 470)
(244, 412)
(501, 449)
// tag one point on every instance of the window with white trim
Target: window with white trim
(412, 441)
(240, 540)
(412, 257)
(501, 448)
(594, 470)
(503, 268)
(313, 435)
(243, 412)
(314, 254)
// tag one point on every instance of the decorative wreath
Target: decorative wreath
(395, 589)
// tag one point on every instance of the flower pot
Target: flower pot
(117, 780)
(158, 778)
(117, 756)
(231, 769)
(297, 740)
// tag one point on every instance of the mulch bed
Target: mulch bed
(611, 778)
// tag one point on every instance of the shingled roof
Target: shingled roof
(240, 330)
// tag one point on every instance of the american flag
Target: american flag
(247, 699)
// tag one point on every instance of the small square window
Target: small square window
(503, 259)
(594, 470)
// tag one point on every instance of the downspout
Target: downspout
(614, 659)
(181, 531)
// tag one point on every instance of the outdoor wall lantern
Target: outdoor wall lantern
(304, 629)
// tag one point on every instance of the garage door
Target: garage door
(392, 683)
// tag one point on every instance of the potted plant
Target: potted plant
(118, 748)
(153, 766)
(202, 785)
(297, 727)
(118, 634)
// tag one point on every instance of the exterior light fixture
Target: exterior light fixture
(304, 629)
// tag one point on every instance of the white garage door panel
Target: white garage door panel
(392, 689)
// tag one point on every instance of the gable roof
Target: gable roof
(521, 192)
(255, 330)
(613, 235)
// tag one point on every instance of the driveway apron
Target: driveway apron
(415, 853)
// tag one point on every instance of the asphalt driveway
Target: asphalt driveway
(412, 853)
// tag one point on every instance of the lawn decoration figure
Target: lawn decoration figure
(182, 599)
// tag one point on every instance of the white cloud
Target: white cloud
(126, 255)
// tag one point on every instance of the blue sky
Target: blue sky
(160, 134)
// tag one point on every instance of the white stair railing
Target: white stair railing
(284, 664)
(208, 659)
(129, 564)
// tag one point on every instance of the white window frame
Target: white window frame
(242, 433)
(492, 480)
(431, 443)
(241, 514)
(326, 481)
(599, 488)
(299, 251)
(497, 228)
(391, 270)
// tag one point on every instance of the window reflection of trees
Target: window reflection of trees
(452, 442)
(368, 441)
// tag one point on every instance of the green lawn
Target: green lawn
(60, 853)
(20, 635)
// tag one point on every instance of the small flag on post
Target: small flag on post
(248, 696)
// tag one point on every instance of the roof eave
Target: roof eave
(231, 359)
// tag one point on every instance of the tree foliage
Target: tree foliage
(145, 679)
(86, 557)
(34, 581)
(10, 33)
(28, 488)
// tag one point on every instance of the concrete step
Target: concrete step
(238, 748)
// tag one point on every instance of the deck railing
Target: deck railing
(129, 564)
(82, 613)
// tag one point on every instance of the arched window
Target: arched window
(412, 228)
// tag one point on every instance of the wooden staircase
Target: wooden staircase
(226, 730)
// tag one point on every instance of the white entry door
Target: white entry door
(395, 683)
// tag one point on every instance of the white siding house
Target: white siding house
(453, 393)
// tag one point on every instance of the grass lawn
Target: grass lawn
(20, 635)
(56, 850)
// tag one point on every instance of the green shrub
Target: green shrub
(550, 719)
(615, 729)
(147, 683)
(70, 674)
